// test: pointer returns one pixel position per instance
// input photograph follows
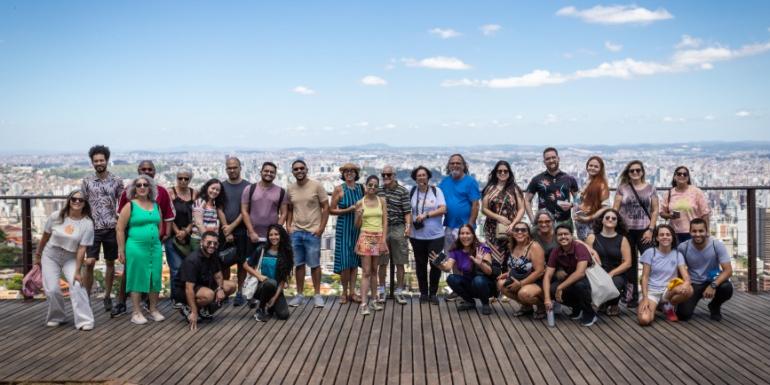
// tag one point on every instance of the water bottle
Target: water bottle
(550, 317)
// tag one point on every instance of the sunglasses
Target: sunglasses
(635, 171)
(682, 174)
(182, 178)
(611, 218)
(212, 243)
(502, 171)
(386, 174)
(141, 185)
(77, 200)
(520, 230)
(298, 169)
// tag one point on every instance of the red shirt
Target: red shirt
(568, 260)
(164, 203)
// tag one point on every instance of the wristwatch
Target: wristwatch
(713, 285)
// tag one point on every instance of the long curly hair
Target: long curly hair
(592, 195)
(219, 201)
(598, 224)
(285, 253)
(458, 245)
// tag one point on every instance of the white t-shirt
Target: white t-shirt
(663, 267)
(69, 234)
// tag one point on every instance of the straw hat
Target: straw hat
(349, 166)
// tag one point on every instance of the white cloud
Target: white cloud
(669, 119)
(743, 114)
(612, 47)
(302, 90)
(709, 55)
(490, 29)
(447, 33)
(371, 80)
(519, 117)
(688, 42)
(616, 14)
(709, 117)
(438, 62)
(535, 78)
(550, 119)
(623, 69)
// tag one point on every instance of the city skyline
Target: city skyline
(153, 76)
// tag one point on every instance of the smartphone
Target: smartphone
(676, 214)
(439, 260)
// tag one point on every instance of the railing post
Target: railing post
(26, 234)
(751, 233)
(392, 278)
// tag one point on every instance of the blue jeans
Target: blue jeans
(468, 288)
(174, 261)
(307, 249)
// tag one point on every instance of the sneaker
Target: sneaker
(177, 305)
(261, 315)
(375, 306)
(462, 305)
(364, 309)
(52, 324)
(318, 300)
(486, 309)
(297, 300)
(716, 313)
(118, 310)
(138, 319)
(156, 316)
(576, 313)
(107, 304)
(252, 303)
(452, 297)
(205, 313)
(239, 300)
(381, 294)
(433, 300)
(87, 327)
(185, 311)
(668, 310)
(400, 299)
(590, 321)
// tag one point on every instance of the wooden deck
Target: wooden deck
(411, 344)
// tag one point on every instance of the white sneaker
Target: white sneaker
(138, 319)
(318, 301)
(53, 324)
(400, 298)
(87, 327)
(296, 301)
(364, 310)
(156, 316)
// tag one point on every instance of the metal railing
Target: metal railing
(751, 230)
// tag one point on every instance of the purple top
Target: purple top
(463, 261)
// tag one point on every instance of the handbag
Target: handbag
(602, 287)
(501, 230)
(32, 283)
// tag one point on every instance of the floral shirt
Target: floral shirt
(552, 188)
(102, 195)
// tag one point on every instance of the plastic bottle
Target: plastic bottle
(550, 317)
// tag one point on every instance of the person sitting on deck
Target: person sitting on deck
(271, 264)
(200, 284)
(472, 259)
(569, 260)
(708, 264)
(660, 283)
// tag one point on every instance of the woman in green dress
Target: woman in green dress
(139, 247)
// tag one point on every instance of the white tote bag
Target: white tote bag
(251, 282)
(602, 287)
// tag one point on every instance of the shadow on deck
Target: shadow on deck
(411, 344)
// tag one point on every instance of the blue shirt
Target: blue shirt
(703, 265)
(459, 196)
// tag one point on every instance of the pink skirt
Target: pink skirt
(371, 243)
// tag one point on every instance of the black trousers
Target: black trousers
(632, 275)
(265, 292)
(578, 296)
(724, 292)
(422, 249)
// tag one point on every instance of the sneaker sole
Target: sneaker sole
(593, 321)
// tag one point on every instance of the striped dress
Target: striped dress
(346, 232)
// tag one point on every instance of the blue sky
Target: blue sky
(150, 75)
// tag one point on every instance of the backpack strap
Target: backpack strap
(280, 199)
(252, 187)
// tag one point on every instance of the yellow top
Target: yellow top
(371, 220)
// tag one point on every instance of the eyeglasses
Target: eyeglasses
(141, 185)
(503, 171)
(611, 218)
(682, 174)
(298, 169)
(183, 178)
(77, 200)
(386, 174)
(520, 230)
(635, 171)
(212, 243)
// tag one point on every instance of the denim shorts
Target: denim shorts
(307, 249)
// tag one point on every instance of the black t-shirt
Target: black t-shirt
(551, 188)
(198, 269)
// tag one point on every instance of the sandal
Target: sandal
(524, 310)
(343, 299)
(355, 298)
(539, 313)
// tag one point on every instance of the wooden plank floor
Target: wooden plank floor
(411, 344)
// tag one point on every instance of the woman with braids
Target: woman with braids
(272, 265)
(592, 198)
(502, 203)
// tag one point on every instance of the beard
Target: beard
(100, 169)
(456, 173)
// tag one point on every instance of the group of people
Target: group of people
(268, 232)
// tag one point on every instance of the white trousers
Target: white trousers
(55, 262)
